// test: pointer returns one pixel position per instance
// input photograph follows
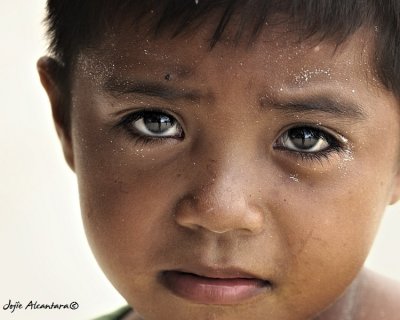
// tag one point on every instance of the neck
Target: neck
(345, 307)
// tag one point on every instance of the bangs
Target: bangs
(76, 24)
(84, 21)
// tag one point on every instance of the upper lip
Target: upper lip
(219, 272)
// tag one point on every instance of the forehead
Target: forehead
(277, 54)
(275, 67)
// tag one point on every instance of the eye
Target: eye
(306, 140)
(153, 124)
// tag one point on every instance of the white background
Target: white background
(44, 254)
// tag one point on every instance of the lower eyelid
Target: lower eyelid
(321, 158)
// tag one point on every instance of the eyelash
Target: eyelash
(317, 156)
(335, 145)
(143, 139)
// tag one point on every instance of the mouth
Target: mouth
(219, 287)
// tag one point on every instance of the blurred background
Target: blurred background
(44, 254)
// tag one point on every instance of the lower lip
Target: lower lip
(220, 291)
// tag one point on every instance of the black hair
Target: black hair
(77, 24)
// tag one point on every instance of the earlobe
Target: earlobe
(51, 77)
(395, 195)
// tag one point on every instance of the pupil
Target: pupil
(303, 138)
(158, 123)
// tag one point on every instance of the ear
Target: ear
(53, 78)
(395, 194)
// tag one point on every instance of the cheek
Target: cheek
(127, 205)
(329, 227)
(330, 224)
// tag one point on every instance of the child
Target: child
(234, 157)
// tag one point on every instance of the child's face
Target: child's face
(274, 168)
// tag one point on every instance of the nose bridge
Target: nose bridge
(224, 182)
(224, 194)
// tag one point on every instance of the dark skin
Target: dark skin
(278, 160)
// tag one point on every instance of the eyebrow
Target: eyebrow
(117, 87)
(323, 104)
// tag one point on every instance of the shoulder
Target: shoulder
(119, 314)
(379, 298)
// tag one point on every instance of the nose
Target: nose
(225, 199)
